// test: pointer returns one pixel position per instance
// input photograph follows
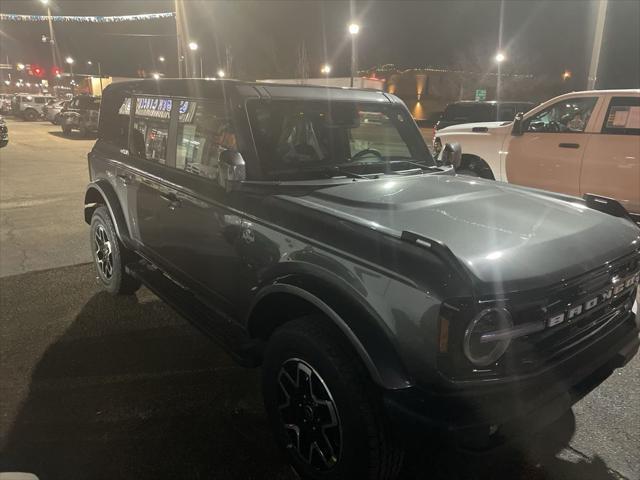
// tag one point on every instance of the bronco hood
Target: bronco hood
(509, 237)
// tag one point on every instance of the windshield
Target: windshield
(312, 139)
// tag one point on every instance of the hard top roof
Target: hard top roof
(205, 88)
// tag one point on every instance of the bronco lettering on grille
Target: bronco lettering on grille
(618, 286)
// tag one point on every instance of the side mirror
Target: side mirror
(517, 128)
(231, 169)
(451, 154)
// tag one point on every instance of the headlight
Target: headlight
(481, 346)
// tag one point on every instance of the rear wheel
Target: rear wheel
(66, 129)
(110, 256)
(325, 411)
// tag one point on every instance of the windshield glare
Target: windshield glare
(310, 139)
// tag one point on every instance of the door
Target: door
(149, 196)
(548, 155)
(611, 165)
(212, 231)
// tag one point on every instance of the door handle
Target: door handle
(569, 145)
(125, 179)
(172, 200)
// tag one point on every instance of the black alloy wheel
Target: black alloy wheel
(110, 256)
(324, 409)
(309, 415)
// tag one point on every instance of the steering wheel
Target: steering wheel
(366, 151)
(553, 126)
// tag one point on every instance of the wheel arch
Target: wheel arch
(297, 295)
(99, 193)
(477, 164)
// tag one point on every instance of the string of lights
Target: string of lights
(86, 19)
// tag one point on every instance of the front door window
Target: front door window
(568, 116)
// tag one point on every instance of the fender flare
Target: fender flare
(110, 199)
(358, 322)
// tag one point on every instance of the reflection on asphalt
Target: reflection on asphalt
(121, 388)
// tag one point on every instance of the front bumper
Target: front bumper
(481, 416)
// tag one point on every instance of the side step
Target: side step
(223, 331)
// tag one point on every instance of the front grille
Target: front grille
(533, 352)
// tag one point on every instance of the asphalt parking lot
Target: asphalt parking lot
(95, 387)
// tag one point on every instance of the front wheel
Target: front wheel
(325, 411)
(66, 130)
(110, 256)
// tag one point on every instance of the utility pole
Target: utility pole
(179, 36)
(597, 45)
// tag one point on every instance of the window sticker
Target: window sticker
(624, 117)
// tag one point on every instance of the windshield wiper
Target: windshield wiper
(333, 170)
(416, 164)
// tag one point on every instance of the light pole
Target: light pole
(326, 70)
(354, 29)
(70, 61)
(499, 58)
(193, 46)
(52, 40)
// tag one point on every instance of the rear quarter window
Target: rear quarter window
(623, 116)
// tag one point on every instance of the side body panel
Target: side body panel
(611, 164)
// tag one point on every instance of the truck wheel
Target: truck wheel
(325, 411)
(110, 256)
(30, 115)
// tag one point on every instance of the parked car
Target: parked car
(471, 112)
(5, 103)
(577, 143)
(382, 294)
(81, 114)
(53, 109)
(4, 133)
(28, 106)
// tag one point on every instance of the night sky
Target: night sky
(539, 37)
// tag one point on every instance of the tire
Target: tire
(83, 130)
(345, 405)
(467, 172)
(110, 256)
(66, 130)
(30, 115)
(56, 119)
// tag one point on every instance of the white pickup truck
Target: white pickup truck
(577, 143)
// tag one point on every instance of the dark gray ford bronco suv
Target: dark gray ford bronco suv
(309, 230)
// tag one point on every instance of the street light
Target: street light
(89, 62)
(500, 57)
(161, 59)
(20, 66)
(156, 76)
(70, 61)
(221, 73)
(566, 75)
(354, 29)
(326, 69)
(193, 46)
